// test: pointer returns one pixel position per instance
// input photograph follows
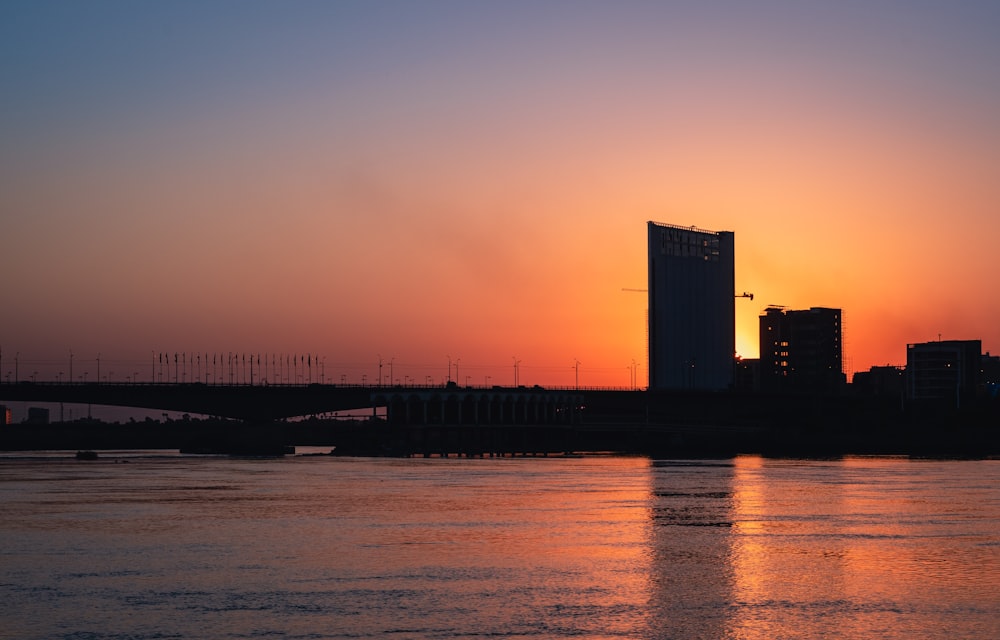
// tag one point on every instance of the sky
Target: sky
(465, 185)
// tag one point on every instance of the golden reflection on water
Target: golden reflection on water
(601, 547)
(691, 522)
(561, 542)
(859, 547)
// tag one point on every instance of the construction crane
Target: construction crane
(745, 295)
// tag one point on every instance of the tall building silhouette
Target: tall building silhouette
(801, 350)
(692, 311)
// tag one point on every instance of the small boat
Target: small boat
(86, 455)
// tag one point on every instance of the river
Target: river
(142, 545)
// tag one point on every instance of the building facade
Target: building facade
(886, 380)
(989, 375)
(747, 374)
(945, 370)
(692, 320)
(801, 350)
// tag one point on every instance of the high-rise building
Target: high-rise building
(692, 311)
(801, 350)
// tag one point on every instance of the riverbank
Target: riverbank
(379, 438)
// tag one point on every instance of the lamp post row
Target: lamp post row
(189, 365)
(240, 366)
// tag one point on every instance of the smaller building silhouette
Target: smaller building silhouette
(5, 414)
(746, 374)
(943, 370)
(888, 380)
(989, 374)
(801, 350)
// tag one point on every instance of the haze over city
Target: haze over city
(448, 184)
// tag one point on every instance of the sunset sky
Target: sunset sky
(426, 181)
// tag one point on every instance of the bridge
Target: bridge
(450, 418)
(410, 404)
(413, 419)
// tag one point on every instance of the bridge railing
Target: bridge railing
(306, 385)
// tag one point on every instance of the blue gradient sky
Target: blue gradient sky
(424, 180)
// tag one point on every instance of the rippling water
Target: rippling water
(599, 547)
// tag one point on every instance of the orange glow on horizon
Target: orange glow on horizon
(442, 193)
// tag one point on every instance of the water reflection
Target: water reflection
(691, 511)
(861, 548)
(507, 548)
(758, 549)
(597, 547)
